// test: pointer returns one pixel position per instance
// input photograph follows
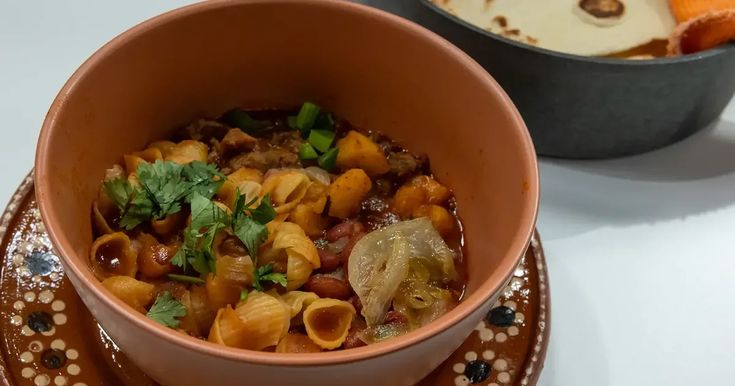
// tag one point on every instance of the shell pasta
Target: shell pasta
(278, 230)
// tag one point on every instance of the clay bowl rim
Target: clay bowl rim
(467, 306)
(593, 60)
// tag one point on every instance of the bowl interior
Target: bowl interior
(376, 70)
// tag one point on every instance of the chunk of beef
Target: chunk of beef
(404, 164)
(237, 140)
(265, 160)
(204, 130)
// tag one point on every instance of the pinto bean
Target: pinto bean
(329, 260)
(343, 229)
(328, 287)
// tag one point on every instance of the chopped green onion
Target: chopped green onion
(328, 160)
(307, 152)
(244, 295)
(307, 116)
(239, 118)
(324, 121)
(321, 139)
(185, 279)
(291, 121)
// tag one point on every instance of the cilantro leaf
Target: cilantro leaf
(251, 233)
(207, 219)
(138, 211)
(265, 273)
(206, 214)
(165, 310)
(164, 184)
(204, 179)
(264, 213)
(180, 259)
(120, 191)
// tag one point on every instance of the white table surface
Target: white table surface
(639, 249)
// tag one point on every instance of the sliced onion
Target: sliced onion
(379, 264)
(318, 175)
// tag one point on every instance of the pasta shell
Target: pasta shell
(297, 343)
(227, 329)
(100, 222)
(297, 300)
(154, 258)
(259, 322)
(328, 321)
(227, 193)
(113, 255)
(187, 151)
(292, 238)
(301, 253)
(104, 211)
(220, 291)
(246, 174)
(170, 224)
(135, 293)
(286, 189)
(163, 146)
(148, 155)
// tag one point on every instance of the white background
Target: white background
(640, 250)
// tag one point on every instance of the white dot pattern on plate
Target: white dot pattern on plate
(504, 377)
(19, 305)
(58, 344)
(58, 305)
(29, 296)
(500, 365)
(470, 356)
(72, 354)
(46, 296)
(459, 368)
(26, 357)
(28, 372)
(50, 332)
(16, 320)
(513, 331)
(60, 380)
(488, 354)
(60, 319)
(42, 380)
(486, 335)
(501, 337)
(73, 369)
(461, 380)
(26, 331)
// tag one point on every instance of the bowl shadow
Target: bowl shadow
(691, 177)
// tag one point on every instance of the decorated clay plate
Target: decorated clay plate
(49, 337)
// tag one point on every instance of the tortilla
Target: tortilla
(562, 25)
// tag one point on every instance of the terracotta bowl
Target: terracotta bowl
(378, 71)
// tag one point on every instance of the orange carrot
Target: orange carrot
(704, 32)
(685, 10)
